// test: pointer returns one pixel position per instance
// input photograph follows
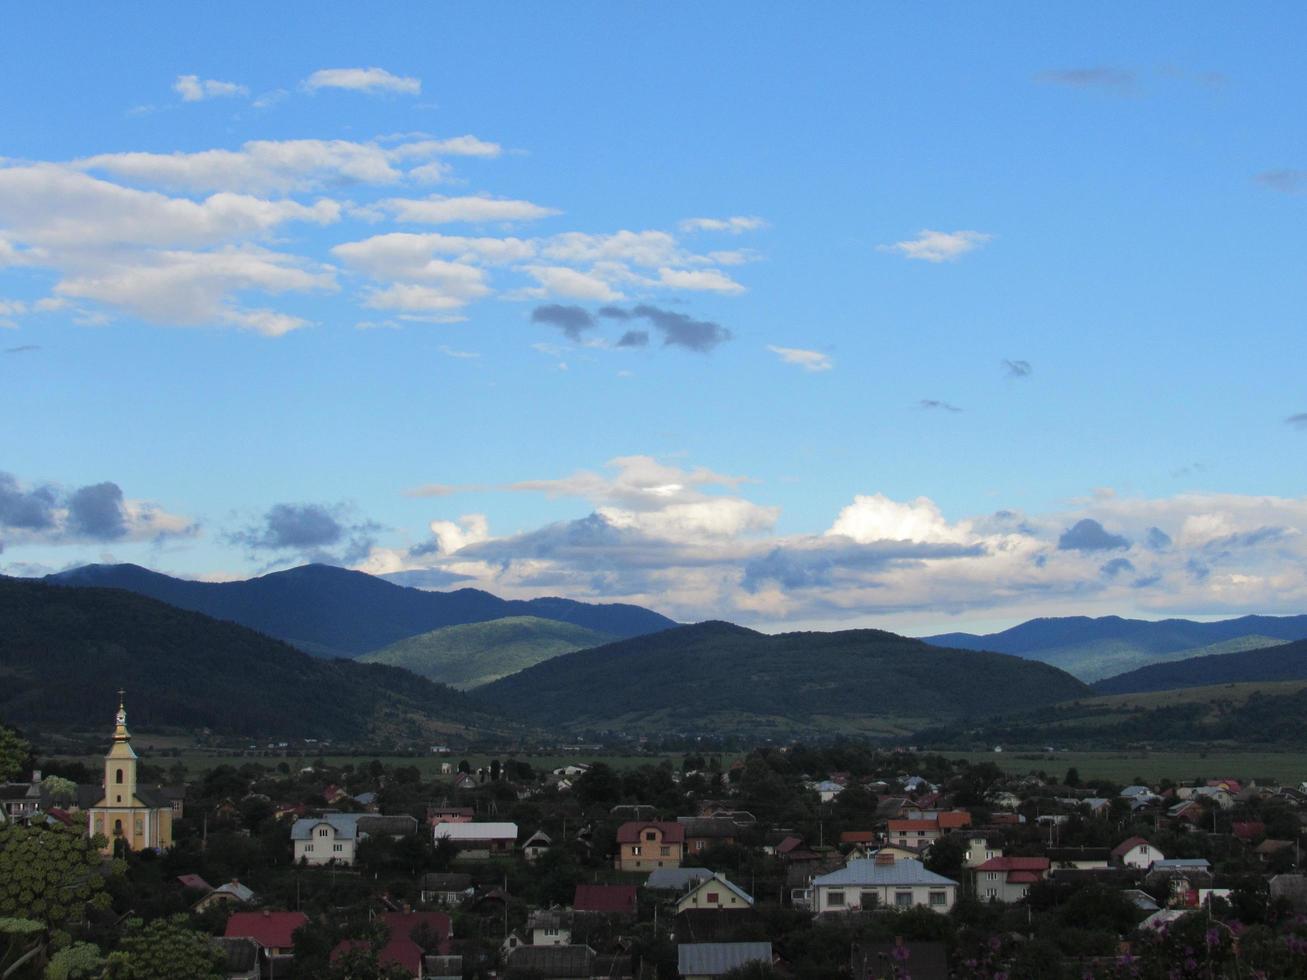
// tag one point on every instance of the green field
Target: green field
(1289, 768)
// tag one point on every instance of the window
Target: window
(938, 899)
(117, 828)
(966, 856)
(338, 847)
(990, 855)
(324, 832)
(835, 899)
(665, 852)
(308, 847)
(991, 875)
(870, 900)
(119, 777)
(635, 850)
(650, 835)
(712, 898)
(991, 893)
(903, 899)
(698, 845)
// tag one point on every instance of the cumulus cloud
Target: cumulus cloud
(1096, 77)
(1017, 369)
(192, 88)
(369, 80)
(47, 514)
(809, 360)
(1089, 535)
(939, 246)
(734, 225)
(314, 532)
(557, 280)
(437, 210)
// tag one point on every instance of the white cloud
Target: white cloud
(192, 88)
(437, 210)
(362, 80)
(457, 287)
(453, 536)
(734, 225)
(710, 280)
(939, 246)
(558, 280)
(878, 518)
(649, 249)
(809, 360)
(454, 146)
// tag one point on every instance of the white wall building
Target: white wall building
(883, 883)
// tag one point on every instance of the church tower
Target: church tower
(128, 815)
(120, 763)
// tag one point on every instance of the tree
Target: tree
(163, 950)
(19, 941)
(80, 961)
(14, 753)
(51, 874)
(61, 791)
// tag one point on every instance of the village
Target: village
(799, 861)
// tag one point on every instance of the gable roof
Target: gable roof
(675, 879)
(867, 871)
(857, 837)
(904, 826)
(1128, 845)
(343, 825)
(1015, 864)
(605, 898)
(714, 959)
(268, 929)
(553, 961)
(717, 881)
(632, 831)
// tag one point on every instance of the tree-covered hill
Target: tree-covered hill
(715, 676)
(473, 654)
(331, 611)
(1094, 648)
(1283, 662)
(64, 652)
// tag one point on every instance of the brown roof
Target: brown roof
(906, 825)
(632, 832)
(605, 898)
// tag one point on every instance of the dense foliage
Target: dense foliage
(63, 649)
(477, 653)
(716, 676)
(50, 874)
(338, 612)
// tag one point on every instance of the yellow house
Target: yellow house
(714, 893)
(136, 815)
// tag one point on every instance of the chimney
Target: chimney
(36, 775)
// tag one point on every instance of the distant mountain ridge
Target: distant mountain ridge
(65, 651)
(717, 676)
(472, 654)
(1283, 662)
(331, 611)
(1095, 648)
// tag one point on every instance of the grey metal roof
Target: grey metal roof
(714, 959)
(865, 871)
(553, 961)
(1162, 865)
(675, 879)
(344, 824)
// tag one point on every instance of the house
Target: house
(272, 932)
(194, 883)
(605, 899)
(643, 845)
(864, 884)
(1269, 847)
(19, 802)
(402, 949)
(450, 814)
(1292, 888)
(576, 962)
(1190, 811)
(1248, 830)
(702, 833)
(1182, 878)
(978, 850)
(701, 961)
(442, 967)
(232, 893)
(1008, 879)
(715, 893)
(826, 790)
(478, 840)
(336, 836)
(446, 889)
(921, 961)
(137, 817)
(1136, 852)
(537, 845)
(912, 833)
(1081, 858)
(851, 837)
(549, 927)
(675, 879)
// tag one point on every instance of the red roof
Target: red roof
(953, 819)
(400, 949)
(857, 837)
(403, 953)
(1010, 864)
(605, 898)
(1022, 877)
(196, 882)
(789, 844)
(1248, 829)
(272, 930)
(1126, 846)
(896, 826)
(632, 832)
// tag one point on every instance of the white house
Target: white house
(979, 850)
(478, 839)
(330, 837)
(882, 882)
(1136, 853)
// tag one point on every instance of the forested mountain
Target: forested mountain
(473, 654)
(719, 677)
(65, 652)
(332, 611)
(1283, 662)
(1094, 648)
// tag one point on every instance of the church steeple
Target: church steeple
(120, 761)
(120, 732)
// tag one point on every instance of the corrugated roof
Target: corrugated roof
(476, 831)
(605, 898)
(714, 959)
(675, 879)
(632, 831)
(553, 961)
(865, 871)
(268, 929)
(344, 825)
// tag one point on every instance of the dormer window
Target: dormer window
(324, 832)
(650, 835)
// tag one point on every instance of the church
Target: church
(139, 816)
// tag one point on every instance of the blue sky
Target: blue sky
(832, 316)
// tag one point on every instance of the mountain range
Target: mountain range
(716, 676)
(1096, 648)
(1283, 662)
(65, 652)
(473, 654)
(335, 612)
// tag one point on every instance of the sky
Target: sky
(824, 316)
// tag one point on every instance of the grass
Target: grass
(1124, 766)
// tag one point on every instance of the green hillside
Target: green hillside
(716, 677)
(65, 651)
(1099, 659)
(470, 655)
